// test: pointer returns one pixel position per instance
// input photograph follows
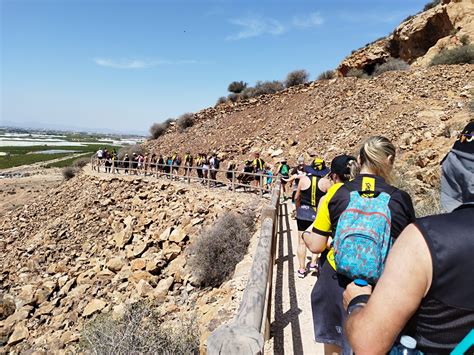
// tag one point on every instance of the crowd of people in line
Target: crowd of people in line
(386, 279)
(252, 172)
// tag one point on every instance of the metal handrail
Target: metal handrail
(247, 333)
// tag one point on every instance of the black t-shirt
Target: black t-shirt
(338, 197)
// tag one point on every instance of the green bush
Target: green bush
(185, 121)
(220, 248)
(140, 331)
(431, 4)
(326, 75)
(157, 130)
(237, 87)
(392, 64)
(296, 77)
(458, 55)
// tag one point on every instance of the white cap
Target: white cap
(408, 342)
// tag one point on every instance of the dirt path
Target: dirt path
(292, 320)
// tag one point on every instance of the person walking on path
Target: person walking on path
(258, 168)
(426, 289)
(376, 157)
(283, 170)
(311, 188)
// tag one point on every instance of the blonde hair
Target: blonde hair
(374, 155)
(354, 169)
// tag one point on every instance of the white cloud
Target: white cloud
(256, 26)
(137, 64)
(311, 20)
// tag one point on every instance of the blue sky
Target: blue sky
(124, 64)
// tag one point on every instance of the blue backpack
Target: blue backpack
(362, 239)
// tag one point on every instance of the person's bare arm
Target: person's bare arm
(298, 194)
(404, 282)
(315, 242)
(324, 184)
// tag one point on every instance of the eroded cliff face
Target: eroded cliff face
(418, 39)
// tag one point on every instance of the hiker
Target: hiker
(244, 177)
(426, 289)
(283, 170)
(295, 174)
(231, 166)
(393, 211)
(176, 162)
(107, 161)
(160, 165)
(311, 188)
(114, 158)
(214, 164)
(205, 168)
(258, 168)
(199, 163)
(268, 177)
(134, 163)
(188, 163)
(126, 163)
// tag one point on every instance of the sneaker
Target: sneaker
(301, 273)
(313, 267)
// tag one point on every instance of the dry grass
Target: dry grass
(69, 173)
(296, 77)
(140, 331)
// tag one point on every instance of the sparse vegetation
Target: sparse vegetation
(392, 64)
(326, 75)
(237, 87)
(220, 248)
(140, 331)
(233, 97)
(431, 4)
(81, 162)
(185, 121)
(267, 87)
(296, 77)
(157, 130)
(465, 40)
(357, 73)
(221, 100)
(458, 55)
(69, 172)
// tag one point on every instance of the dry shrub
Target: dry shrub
(465, 40)
(326, 75)
(220, 248)
(221, 100)
(237, 87)
(267, 87)
(430, 204)
(247, 93)
(458, 55)
(140, 331)
(69, 172)
(80, 163)
(392, 64)
(233, 97)
(296, 77)
(157, 130)
(357, 73)
(185, 121)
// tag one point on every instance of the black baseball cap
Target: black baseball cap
(339, 164)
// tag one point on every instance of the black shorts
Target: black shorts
(329, 314)
(303, 225)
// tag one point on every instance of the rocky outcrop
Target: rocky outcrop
(95, 244)
(419, 38)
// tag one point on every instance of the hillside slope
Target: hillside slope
(420, 110)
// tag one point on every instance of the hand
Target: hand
(352, 290)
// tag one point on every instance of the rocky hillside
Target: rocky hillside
(419, 38)
(94, 245)
(420, 110)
